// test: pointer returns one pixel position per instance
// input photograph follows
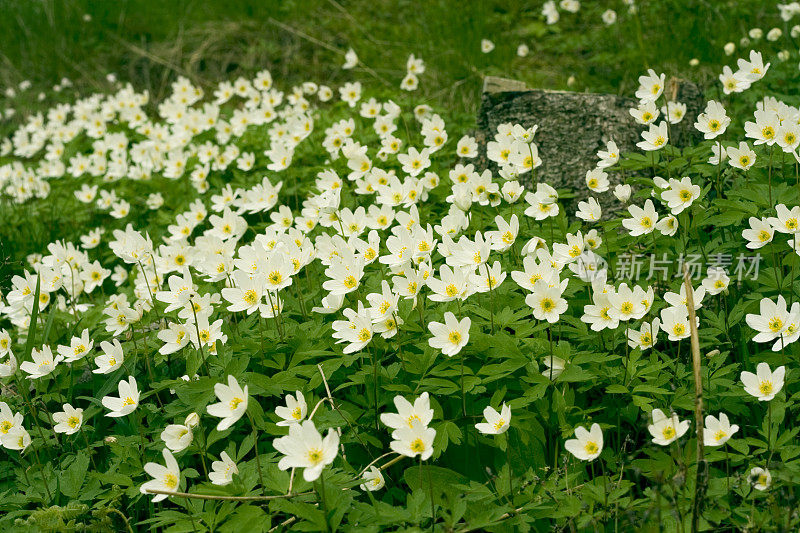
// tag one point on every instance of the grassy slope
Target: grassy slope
(149, 42)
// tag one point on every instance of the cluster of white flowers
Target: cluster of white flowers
(365, 223)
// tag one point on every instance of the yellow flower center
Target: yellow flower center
(454, 337)
(234, 404)
(417, 446)
(765, 387)
(250, 297)
(413, 419)
(315, 456)
(350, 282)
(170, 481)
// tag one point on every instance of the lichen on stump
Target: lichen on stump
(574, 126)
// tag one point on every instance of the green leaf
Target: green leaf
(247, 518)
(72, 478)
(442, 479)
(34, 321)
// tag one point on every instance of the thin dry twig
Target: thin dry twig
(228, 498)
(699, 486)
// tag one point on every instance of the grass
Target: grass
(150, 43)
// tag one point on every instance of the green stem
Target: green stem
(769, 174)
(324, 500)
(375, 382)
(491, 292)
(605, 485)
(258, 457)
(199, 342)
(89, 449)
(430, 488)
(463, 398)
(769, 434)
(44, 478)
(508, 461)
(149, 291)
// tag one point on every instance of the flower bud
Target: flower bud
(192, 420)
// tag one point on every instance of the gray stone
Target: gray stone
(574, 126)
